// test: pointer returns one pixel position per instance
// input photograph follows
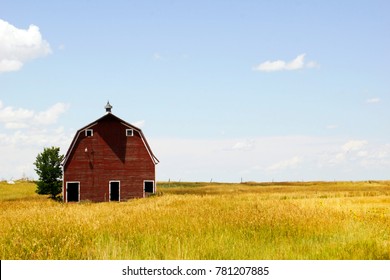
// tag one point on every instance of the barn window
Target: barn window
(149, 186)
(129, 132)
(89, 132)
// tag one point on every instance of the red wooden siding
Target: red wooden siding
(109, 155)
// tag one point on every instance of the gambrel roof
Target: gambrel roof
(109, 115)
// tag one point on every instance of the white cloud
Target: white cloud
(287, 158)
(19, 149)
(362, 153)
(244, 145)
(15, 125)
(289, 163)
(7, 65)
(332, 126)
(15, 118)
(354, 145)
(26, 133)
(297, 63)
(373, 100)
(312, 64)
(157, 56)
(18, 46)
(280, 65)
(34, 138)
(51, 115)
(139, 124)
(337, 159)
(349, 151)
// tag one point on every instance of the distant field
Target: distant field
(313, 220)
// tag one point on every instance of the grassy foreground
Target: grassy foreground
(317, 220)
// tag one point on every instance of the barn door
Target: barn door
(114, 190)
(149, 187)
(72, 191)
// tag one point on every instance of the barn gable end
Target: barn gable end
(108, 160)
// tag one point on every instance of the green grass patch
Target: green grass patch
(20, 190)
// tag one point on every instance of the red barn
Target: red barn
(108, 160)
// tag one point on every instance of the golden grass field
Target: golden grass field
(310, 220)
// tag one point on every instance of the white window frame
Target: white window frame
(154, 186)
(88, 130)
(109, 189)
(72, 182)
(129, 132)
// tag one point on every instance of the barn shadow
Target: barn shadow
(115, 137)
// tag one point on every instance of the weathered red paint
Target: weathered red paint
(109, 155)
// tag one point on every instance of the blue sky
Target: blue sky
(223, 90)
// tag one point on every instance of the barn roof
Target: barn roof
(109, 115)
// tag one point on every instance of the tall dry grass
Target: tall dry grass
(340, 220)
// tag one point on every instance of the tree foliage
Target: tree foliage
(48, 168)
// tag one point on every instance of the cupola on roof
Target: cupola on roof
(108, 107)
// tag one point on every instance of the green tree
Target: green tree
(48, 168)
